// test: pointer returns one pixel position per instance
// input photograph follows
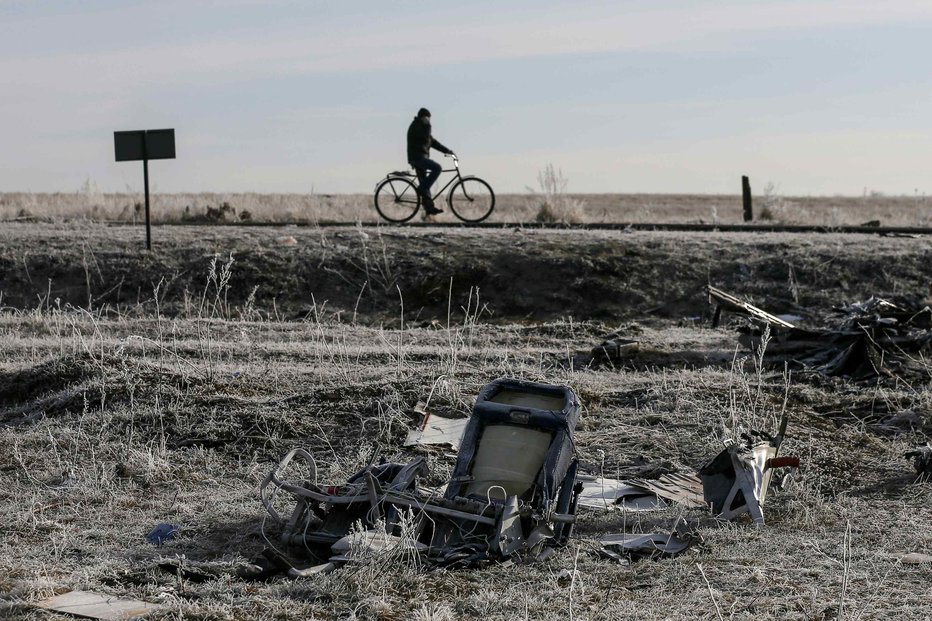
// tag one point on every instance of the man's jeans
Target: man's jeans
(427, 172)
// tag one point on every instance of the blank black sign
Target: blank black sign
(129, 145)
(151, 144)
(160, 144)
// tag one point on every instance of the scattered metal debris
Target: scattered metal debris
(873, 339)
(733, 483)
(682, 488)
(513, 493)
(641, 494)
(98, 606)
(435, 429)
(513, 490)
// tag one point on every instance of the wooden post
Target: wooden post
(746, 198)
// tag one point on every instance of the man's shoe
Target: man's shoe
(430, 207)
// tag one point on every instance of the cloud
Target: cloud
(398, 42)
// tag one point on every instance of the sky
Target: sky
(661, 96)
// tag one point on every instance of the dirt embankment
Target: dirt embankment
(520, 274)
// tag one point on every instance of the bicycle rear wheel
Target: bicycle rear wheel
(396, 199)
(471, 199)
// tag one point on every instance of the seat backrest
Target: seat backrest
(519, 438)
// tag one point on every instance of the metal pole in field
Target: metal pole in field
(145, 182)
(746, 198)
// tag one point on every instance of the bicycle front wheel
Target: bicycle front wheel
(396, 199)
(471, 199)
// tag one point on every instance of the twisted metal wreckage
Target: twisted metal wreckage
(513, 493)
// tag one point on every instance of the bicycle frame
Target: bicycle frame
(457, 177)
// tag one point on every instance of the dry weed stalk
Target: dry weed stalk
(553, 203)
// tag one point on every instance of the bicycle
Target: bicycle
(397, 199)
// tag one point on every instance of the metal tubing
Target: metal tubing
(145, 182)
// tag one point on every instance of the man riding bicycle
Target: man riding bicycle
(419, 143)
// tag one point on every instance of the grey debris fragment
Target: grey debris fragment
(737, 479)
(614, 495)
(436, 429)
(646, 544)
(508, 532)
(98, 606)
(324, 568)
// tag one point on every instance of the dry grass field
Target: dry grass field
(138, 389)
(770, 207)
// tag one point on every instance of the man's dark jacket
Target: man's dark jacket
(420, 141)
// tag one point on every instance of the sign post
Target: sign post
(145, 145)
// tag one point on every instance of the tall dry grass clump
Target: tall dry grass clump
(553, 203)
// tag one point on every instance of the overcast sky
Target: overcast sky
(650, 96)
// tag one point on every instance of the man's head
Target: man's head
(423, 112)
